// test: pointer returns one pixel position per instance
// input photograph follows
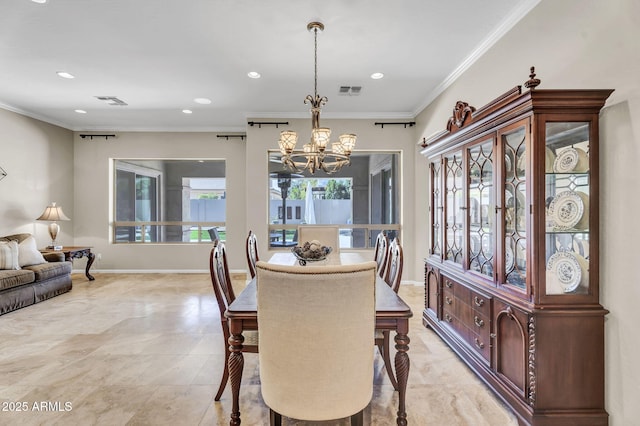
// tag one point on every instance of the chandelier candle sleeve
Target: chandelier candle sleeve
(315, 155)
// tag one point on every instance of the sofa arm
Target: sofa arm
(53, 257)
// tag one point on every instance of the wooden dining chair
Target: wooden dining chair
(381, 252)
(327, 235)
(219, 271)
(252, 253)
(329, 376)
(392, 276)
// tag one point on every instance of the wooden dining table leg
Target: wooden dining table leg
(236, 365)
(402, 372)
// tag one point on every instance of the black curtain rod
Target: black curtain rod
(232, 136)
(272, 123)
(405, 124)
(83, 136)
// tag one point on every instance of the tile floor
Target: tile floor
(146, 349)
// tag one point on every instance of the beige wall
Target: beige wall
(247, 183)
(579, 44)
(92, 175)
(38, 159)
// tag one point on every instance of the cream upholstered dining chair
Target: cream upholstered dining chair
(219, 270)
(252, 253)
(327, 235)
(331, 375)
(392, 276)
(381, 252)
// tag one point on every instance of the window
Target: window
(169, 201)
(363, 199)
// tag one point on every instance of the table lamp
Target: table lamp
(53, 213)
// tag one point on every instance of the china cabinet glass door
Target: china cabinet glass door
(481, 208)
(567, 194)
(436, 208)
(454, 207)
(515, 164)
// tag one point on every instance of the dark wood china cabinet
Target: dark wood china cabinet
(511, 278)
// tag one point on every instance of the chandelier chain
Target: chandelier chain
(315, 61)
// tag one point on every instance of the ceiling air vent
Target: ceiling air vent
(349, 90)
(112, 100)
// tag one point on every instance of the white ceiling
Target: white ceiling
(157, 56)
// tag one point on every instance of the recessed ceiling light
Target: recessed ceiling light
(377, 75)
(39, 1)
(253, 74)
(202, 101)
(80, 111)
(65, 74)
(187, 111)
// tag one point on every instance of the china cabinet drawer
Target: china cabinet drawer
(468, 313)
(480, 304)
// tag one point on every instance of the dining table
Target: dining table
(392, 313)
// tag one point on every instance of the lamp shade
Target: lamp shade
(321, 137)
(53, 213)
(348, 142)
(288, 140)
(337, 148)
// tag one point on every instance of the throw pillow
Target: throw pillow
(28, 253)
(9, 255)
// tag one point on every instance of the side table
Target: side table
(72, 252)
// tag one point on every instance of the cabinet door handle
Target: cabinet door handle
(448, 300)
(448, 318)
(478, 301)
(448, 284)
(478, 321)
(478, 343)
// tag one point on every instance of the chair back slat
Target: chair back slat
(252, 253)
(220, 279)
(393, 270)
(381, 253)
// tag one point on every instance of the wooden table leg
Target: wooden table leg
(90, 258)
(236, 365)
(402, 374)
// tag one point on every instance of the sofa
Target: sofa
(27, 276)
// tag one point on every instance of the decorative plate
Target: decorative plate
(509, 259)
(475, 245)
(549, 160)
(566, 210)
(507, 163)
(571, 160)
(566, 267)
(306, 254)
(522, 164)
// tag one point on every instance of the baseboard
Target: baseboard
(156, 271)
(236, 274)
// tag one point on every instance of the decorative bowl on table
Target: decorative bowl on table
(311, 251)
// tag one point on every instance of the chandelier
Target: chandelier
(315, 155)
